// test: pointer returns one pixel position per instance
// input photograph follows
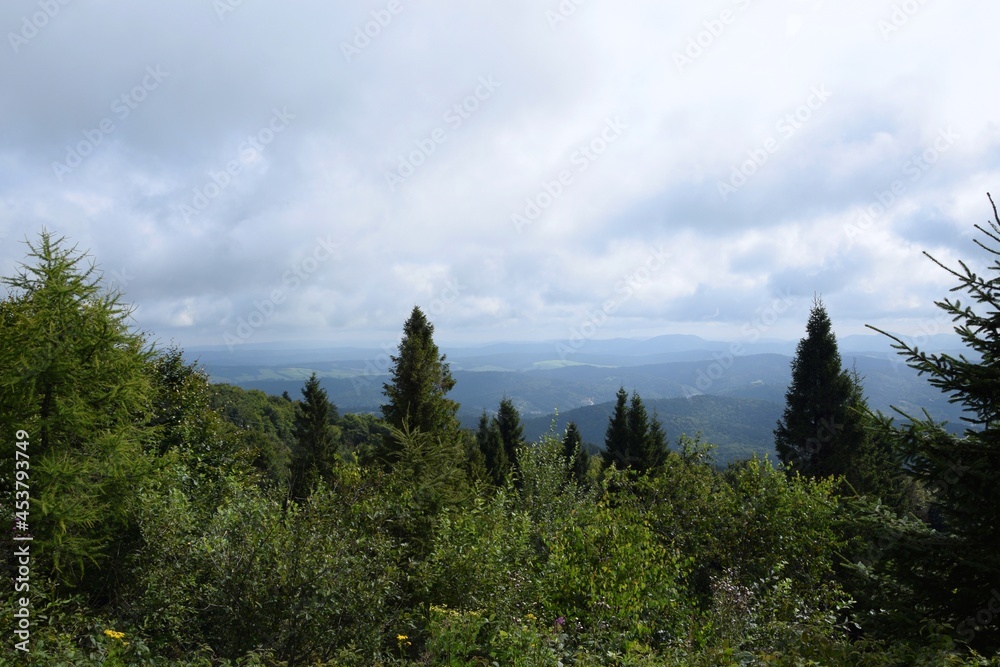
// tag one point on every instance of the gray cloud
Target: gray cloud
(150, 135)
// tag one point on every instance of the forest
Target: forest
(158, 518)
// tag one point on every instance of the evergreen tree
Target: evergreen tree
(491, 445)
(632, 439)
(819, 433)
(507, 422)
(576, 456)
(315, 453)
(655, 451)
(416, 393)
(952, 570)
(616, 438)
(75, 378)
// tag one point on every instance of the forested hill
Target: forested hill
(746, 396)
(737, 427)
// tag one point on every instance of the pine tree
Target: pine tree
(77, 380)
(953, 571)
(315, 454)
(507, 422)
(616, 438)
(819, 433)
(491, 445)
(420, 380)
(577, 458)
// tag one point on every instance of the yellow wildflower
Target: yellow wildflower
(401, 638)
(114, 634)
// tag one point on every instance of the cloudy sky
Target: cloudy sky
(256, 171)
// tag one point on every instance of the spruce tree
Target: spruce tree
(315, 453)
(577, 458)
(952, 569)
(655, 450)
(419, 382)
(616, 438)
(491, 445)
(819, 432)
(507, 423)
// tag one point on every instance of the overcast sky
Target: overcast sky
(258, 171)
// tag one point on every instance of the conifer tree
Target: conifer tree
(76, 379)
(655, 449)
(953, 570)
(315, 454)
(416, 393)
(616, 438)
(576, 456)
(507, 423)
(819, 433)
(491, 445)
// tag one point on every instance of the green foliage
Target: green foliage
(576, 456)
(819, 433)
(315, 453)
(633, 440)
(74, 376)
(951, 572)
(492, 448)
(507, 424)
(419, 381)
(301, 582)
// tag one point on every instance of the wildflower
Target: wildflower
(401, 638)
(114, 634)
(532, 617)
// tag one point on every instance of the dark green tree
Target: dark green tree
(616, 438)
(75, 378)
(507, 423)
(576, 456)
(419, 382)
(952, 568)
(315, 453)
(819, 432)
(491, 445)
(632, 439)
(655, 450)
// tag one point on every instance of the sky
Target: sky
(307, 172)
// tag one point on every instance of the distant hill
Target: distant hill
(697, 385)
(739, 427)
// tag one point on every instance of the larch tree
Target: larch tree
(75, 378)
